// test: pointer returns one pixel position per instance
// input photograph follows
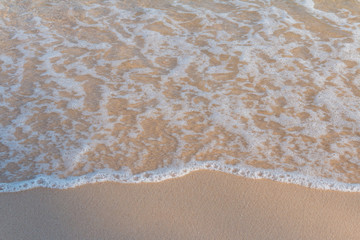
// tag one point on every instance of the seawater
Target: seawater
(142, 91)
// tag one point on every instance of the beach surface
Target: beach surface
(137, 94)
(201, 205)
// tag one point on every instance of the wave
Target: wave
(92, 90)
(108, 175)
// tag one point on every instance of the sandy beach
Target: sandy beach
(201, 205)
(142, 91)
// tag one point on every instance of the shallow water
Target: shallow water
(137, 91)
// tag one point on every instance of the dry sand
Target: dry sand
(201, 205)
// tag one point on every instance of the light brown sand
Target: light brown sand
(202, 205)
(247, 89)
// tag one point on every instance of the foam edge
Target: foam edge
(159, 175)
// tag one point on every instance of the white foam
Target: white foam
(125, 176)
(221, 78)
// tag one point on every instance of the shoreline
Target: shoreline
(43, 181)
(201, 205)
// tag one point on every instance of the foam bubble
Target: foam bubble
(256, 89)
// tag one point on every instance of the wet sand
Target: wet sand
(201, 205)
(139, 86)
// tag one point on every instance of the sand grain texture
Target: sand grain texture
(201, 205)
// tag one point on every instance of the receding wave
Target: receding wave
(142, 91)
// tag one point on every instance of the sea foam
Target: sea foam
(128, 91)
